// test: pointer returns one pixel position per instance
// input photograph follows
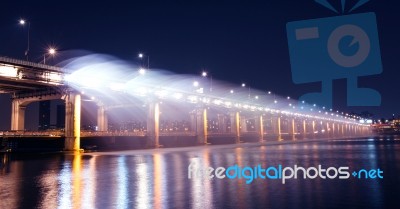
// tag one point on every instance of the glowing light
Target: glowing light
(52, 51)
(142, 71)
(8, 71)
(53, 77)
(243, 85)
(178, 95)
(231, 91)
(140, 55)
(22, 21)
(204, 74)
(195, 83)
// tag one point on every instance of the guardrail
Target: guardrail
(23, 63)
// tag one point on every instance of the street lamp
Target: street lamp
(23, 23)
(204, 74)
(142, 71)
(141, 56)
(51, 51)
(244, 85)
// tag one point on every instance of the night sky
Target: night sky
(235, 41)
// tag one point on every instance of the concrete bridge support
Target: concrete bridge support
(18, 115)
(259, 124)
(201, 126)
(235, 126)
(72, 122)
(292, 127)
(304, 126)
(243, 124)
(102, 119)
(313, 128)
(276, 126)
(153, 125)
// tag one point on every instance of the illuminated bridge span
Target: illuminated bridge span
(212, 109)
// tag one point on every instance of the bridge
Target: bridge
(219, 111)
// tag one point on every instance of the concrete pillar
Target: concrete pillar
(304, 128)
(193, 121)
(235, 126)
(243, 124)
(72, 122)
(328, 129)
(342, 127)
(260, 127)
(102, 119)
(313, 128)
(201, 126)
(17, 115)
(153, 125)
(292, 127)
(277, 127)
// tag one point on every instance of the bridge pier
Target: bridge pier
(292, 128)
(235, 125)
(304, 128)
(201, 126)
(243, 124)
(153, 125)
(72, 122)
(276, 127)
(102, 119)
(259, 125)
(18, 115)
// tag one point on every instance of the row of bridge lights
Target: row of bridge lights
(205, 74)
(228, 104)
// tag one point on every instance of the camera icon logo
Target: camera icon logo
(341, 47)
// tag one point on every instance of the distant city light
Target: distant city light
(195, 84)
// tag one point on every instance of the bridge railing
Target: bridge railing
(29, 64)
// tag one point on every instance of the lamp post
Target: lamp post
(23, 23)
(51, 51)
(244, 85)
(204, 74)
(141, 56)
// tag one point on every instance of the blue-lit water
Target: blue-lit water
(159, 178)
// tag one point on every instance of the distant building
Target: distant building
(60, 116)
(44, 115)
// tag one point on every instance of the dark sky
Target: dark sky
(236, 41)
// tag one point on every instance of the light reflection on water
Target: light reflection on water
(159, 178)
